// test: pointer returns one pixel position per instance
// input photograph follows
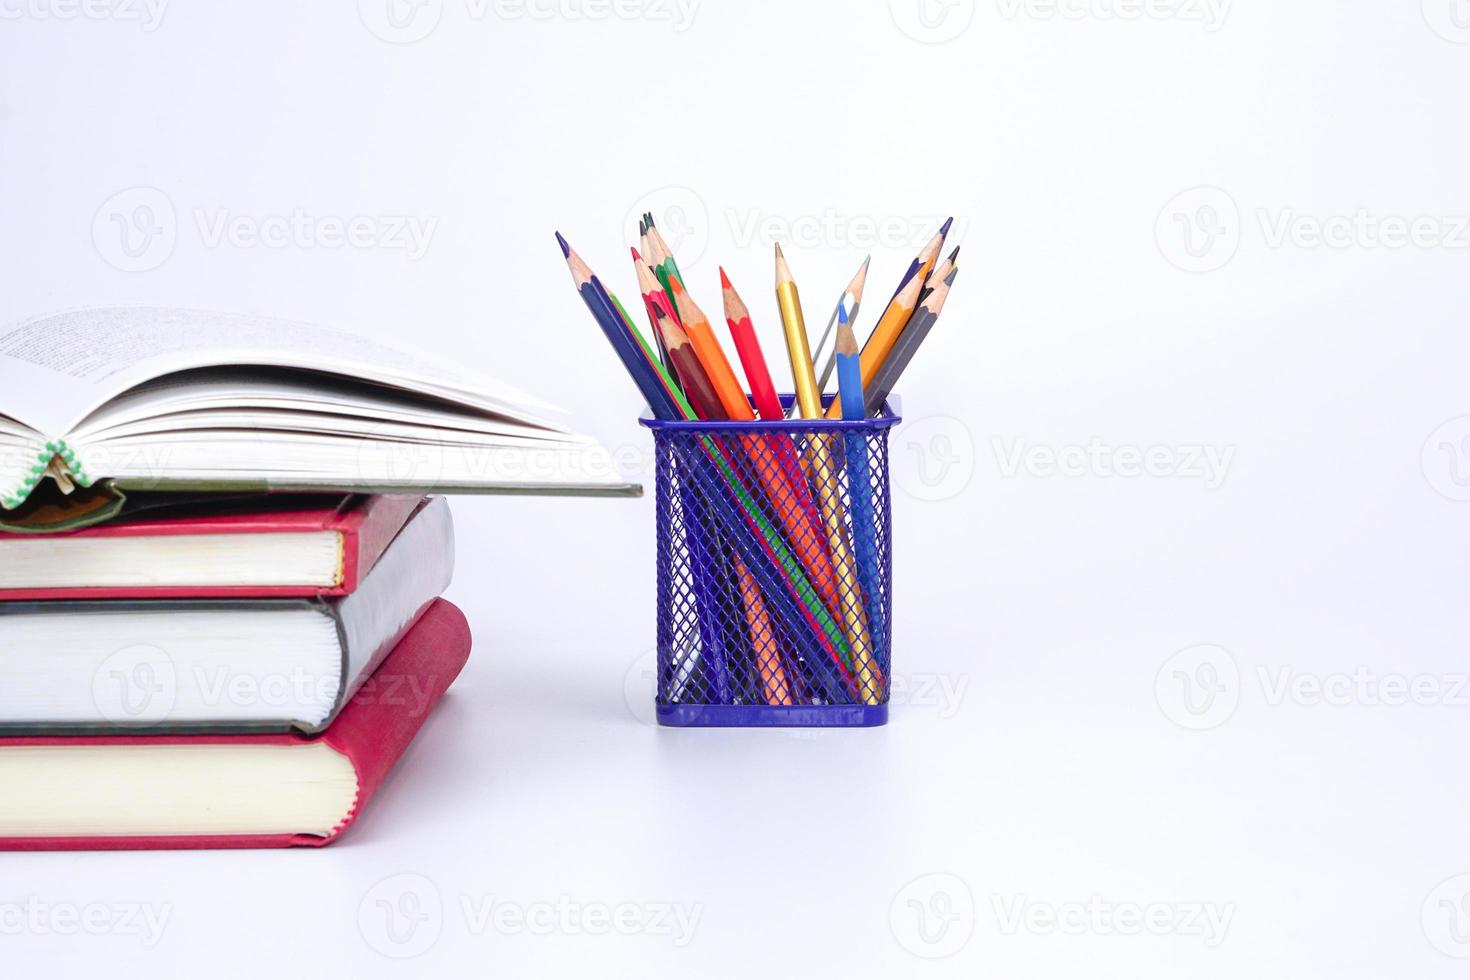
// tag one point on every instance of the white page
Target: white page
(160, 403)
(57, 369)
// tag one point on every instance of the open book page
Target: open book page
(270, 397)
(59, 369)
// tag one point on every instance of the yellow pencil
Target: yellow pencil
(853, 613)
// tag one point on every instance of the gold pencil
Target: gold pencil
(853, 614)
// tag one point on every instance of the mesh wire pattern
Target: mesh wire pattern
(774, 565)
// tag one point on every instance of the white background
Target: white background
(1050, 746)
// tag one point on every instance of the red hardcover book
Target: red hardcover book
(212, 791)
(262, 547)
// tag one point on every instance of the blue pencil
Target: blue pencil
(859, 477)
(611, 321)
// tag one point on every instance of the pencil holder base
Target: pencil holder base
(772, 716)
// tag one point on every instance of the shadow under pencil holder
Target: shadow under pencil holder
(774, 572)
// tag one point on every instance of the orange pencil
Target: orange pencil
(711, 354)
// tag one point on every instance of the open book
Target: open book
(167, 399)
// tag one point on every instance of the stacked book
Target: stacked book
(221, 570)
(230, 673)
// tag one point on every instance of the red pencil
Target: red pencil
(762, 389)
(655, 297)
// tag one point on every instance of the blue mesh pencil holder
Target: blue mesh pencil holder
(774, 572)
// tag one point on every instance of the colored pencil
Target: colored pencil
(776, 688)
(908, 343)
(801, 523)
(788, 299)
(752, 359)
(848, 305)
(613, 327)
(695, 380)
(666, 253)
(767, 654)
(854, 617)
(775, 459)
(651, 358)
(885, 335)
(859, 482)
(652, 293)
(653, 381)
(941, 272)
(925, 259)
(664, 267)
(711, 355)
(804, 598)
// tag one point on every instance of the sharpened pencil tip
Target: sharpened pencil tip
(866, 261)
(642, 227)
(724, 279)
(566, 249)
(636, 256)
(955, 254)
(778, 250)
(841, 315)
(944, 228)
(648, 217)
